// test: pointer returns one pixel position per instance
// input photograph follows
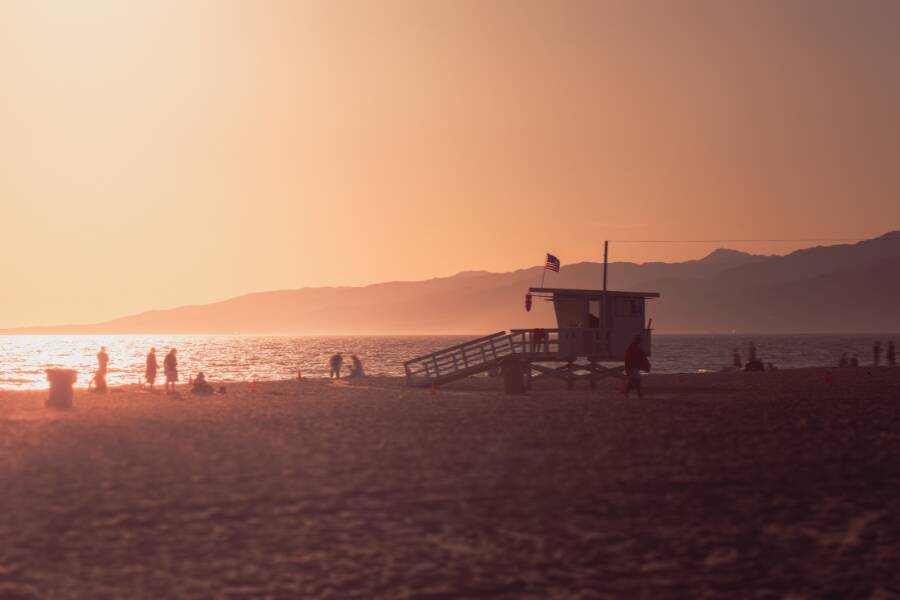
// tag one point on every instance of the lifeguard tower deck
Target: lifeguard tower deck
(593, 327)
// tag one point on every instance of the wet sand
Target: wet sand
(718, 485)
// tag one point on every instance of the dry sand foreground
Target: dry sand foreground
(728, 485)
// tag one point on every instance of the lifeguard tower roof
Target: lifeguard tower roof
(592, 294)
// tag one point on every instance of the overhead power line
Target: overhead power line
(745, 241)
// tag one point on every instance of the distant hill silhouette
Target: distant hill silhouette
(841, 288)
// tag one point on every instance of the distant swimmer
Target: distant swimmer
(336, 362)
(152, 368)
(170, 365)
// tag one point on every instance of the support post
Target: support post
(604, 323)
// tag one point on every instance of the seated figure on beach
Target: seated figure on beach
(356, 369)
(336, 361)
(201, 386)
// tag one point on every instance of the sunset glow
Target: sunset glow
(166, 153)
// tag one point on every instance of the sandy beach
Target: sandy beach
(716, 485)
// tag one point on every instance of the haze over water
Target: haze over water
(23, 359)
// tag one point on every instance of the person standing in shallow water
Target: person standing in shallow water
(152, 368)
(876, 354)
(336, 362)
(635, 361)
(736, 360)
(891, 355)
(170, 365)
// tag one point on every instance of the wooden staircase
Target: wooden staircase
(463, 360)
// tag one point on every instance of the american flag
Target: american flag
(552, 263)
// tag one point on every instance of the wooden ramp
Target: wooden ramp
(461, 361)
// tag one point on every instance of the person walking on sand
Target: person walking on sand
(635, 362)
(152, 368)
(876, 354)
(170, 365)
(891, 355)
(336, 361)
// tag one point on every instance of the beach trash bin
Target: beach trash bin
(61, 382)
(513, 375)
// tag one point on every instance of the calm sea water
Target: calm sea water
(23, 359)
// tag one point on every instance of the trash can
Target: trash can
(61, 382)
(513, 375)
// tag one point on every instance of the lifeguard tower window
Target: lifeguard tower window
(629, 307)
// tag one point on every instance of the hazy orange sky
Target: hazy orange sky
(161, 153)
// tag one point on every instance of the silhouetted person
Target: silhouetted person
(635, 362)
(891, 355)
(356, 369)
(99, 380)
(336, 362)
(844, 362)
(876, 354)
(854, 361)
(152, 368)
(201, 386)
(736, 360)
(170, 366)
(753, 362)
(538, 336)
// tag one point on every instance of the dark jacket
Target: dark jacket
(635, 358)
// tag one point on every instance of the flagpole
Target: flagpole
(543, 274)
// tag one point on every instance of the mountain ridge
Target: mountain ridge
(822, 288)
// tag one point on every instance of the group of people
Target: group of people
(337, 362)
(753, 363)
(853, 361)
(170, 368)
(199, 385)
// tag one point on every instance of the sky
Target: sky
(157, 153)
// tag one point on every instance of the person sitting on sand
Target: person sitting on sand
(336, 361)
(201, 386)
(152, 368)
(170, 365)
(356, 369)
(635, 362)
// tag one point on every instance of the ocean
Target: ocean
(23, 359)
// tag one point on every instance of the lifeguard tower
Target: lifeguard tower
(592, 327)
